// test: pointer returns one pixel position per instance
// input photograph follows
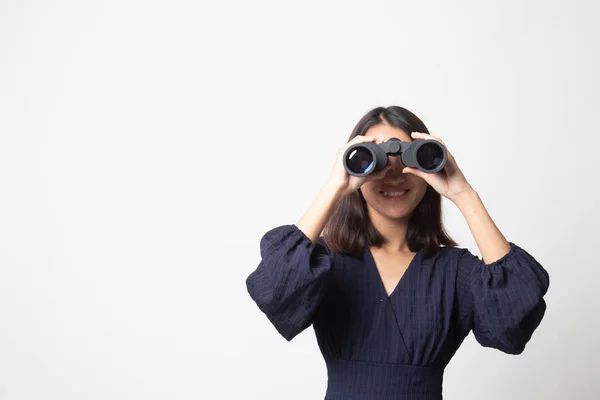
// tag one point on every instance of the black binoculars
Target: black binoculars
(362, 159)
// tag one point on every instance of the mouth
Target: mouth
(397, 194)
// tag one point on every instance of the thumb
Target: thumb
(382, 173)
(414, 171)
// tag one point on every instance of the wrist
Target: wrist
(335, 189)
(465, 196)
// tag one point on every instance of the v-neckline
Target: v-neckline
(378, 274)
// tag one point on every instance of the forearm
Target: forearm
(317, 215)
(488, 237)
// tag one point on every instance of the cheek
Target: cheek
(417, 183)
(368, 190)
(420, 187)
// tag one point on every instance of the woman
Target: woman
(389, 295)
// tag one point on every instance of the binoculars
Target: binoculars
(362, 159)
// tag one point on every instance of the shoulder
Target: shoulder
(321, 241)
(446, 254)
(448, 260)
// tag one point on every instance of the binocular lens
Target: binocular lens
(360, 160)
(430, 155)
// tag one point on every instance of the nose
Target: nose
(395, 171)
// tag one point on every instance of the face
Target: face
(384, 195)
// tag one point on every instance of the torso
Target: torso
(391, 268)
(396, 309)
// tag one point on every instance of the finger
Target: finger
(414, 171)
(358, 139)
(425, 136)
(378, 175)
(450, 166)
(374, 175)
(362, 139)
(385, 169)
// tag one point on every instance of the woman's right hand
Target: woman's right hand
(345, 182)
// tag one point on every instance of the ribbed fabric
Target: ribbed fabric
(395, 347)
(348, 380)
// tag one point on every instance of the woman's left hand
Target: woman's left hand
(449, 182)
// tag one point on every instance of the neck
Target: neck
(393, 231)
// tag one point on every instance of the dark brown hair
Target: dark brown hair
(349, 229)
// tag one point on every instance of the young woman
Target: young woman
(389, 295)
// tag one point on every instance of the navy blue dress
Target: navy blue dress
(379, 347)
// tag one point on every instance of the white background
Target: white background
(146, 146)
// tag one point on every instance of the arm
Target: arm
(292, 277)
(488, 237)
(339, 185)
(313, 221)
(501, 296)
(452, 184)
(503, 293)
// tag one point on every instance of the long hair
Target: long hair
(349, 229)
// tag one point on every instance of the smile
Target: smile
(398, 194)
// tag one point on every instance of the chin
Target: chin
(396, 216)
(394, 213)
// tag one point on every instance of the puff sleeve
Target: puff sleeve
(291, 278)
(502, 301)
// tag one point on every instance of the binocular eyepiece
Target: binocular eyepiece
(362, 159)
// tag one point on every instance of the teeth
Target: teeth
(394, 193)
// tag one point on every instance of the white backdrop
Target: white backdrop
(146, 146)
